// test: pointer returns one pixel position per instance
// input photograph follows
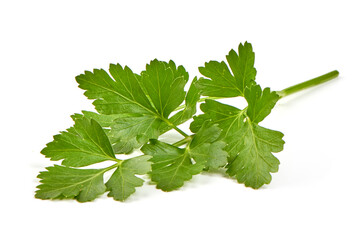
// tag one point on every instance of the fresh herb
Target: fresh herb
(133, 110)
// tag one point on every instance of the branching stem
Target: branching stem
(283, 93)
(175, 127)
(183, 141)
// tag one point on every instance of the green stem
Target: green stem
(175, 127)
(200, 100)
(180, 131)
(112, 166)
(183, 141)
(307, 84)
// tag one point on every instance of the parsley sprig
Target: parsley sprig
(133, 110)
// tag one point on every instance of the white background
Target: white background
(315, 194)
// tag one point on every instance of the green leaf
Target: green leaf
(221, 82)
(120, 127)
(242, 65)
(206, 147)
(83, 144)
(228, 117)
(86, 184)
(142, 104)
(191, 100)
(249, 145)
(254, 160)
(164, 88)
(260, 103)
(123, 181)
(120, 142)
(172, 166)
(65, 182)
(104, 120)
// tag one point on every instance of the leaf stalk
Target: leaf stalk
(175, 127)
(183, 141)
(307, 84)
